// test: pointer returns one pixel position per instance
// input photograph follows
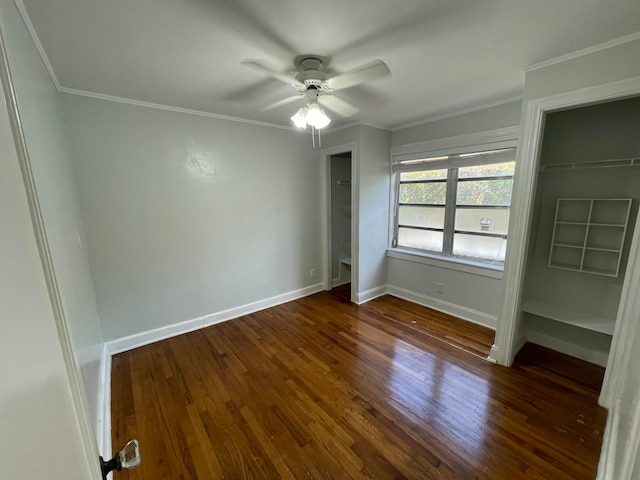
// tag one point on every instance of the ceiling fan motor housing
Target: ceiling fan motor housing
(311, 72)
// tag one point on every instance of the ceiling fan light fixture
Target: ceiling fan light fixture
(299, 119)
(316, 116)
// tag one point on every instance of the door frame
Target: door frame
(325, 165)
(509, 328)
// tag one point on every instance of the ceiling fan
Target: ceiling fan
(316, 87)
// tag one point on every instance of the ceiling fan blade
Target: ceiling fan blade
(363, 73)
(283, 77)
(282, 102)
(338, 105)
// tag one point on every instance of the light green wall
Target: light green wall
(610, 65)
(499, 116)
(41, 115)
(188, 216)
(375, 145)
(372, 175)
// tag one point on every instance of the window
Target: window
(456, 205)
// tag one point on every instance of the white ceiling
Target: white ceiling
(444, 55)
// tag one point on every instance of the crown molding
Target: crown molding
(354, 124)
(585, 51)
(72, 91)
(139, 103)
(159, 106)
(36, 40)
(342, 127)
(379, 127)
(455, 113)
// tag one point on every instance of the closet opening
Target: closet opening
(585, 210)
(340, 218)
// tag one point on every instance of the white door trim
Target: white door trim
(89, 442)
(507, 330)
(325, 165)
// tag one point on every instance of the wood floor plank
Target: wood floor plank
(323, 388)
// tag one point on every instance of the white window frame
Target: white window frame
(450, 148)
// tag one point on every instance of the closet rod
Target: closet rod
(615, 162)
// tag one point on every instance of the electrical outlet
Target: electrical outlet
(440, 287)
(312, 272)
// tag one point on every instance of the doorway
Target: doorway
(340, 203)
(584, 215)
(510, 331)
(340, 218)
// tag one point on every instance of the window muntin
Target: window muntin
(462, 210)
(430, 240)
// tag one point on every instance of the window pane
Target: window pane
(475, 246)
(422, 239)
(485, 192)
(434, 193)
(424, 175)
(489, 220)
(430, 217)
(495, 170)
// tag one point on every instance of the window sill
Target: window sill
(450, 263)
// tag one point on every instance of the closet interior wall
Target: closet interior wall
(563, 308)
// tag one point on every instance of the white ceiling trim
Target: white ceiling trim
(72, 91)
(375, 126)
(159, 106)
(585, 51)
(342, 127)
(354, 124)
(34, 36)
(458, 112)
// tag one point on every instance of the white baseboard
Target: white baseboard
(522, 339)
(124, 344)
(568, 348)
(494, 354)
(607, 462)
(104, 405)
(370, 294)
(336, 282)
(473, 316)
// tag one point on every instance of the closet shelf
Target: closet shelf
(592, 224)
(588, 235)
(346, 261)
(344, 183)
(569, 245)
(571, 317)
(614, 162)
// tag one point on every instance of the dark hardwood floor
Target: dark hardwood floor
(321, 388)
